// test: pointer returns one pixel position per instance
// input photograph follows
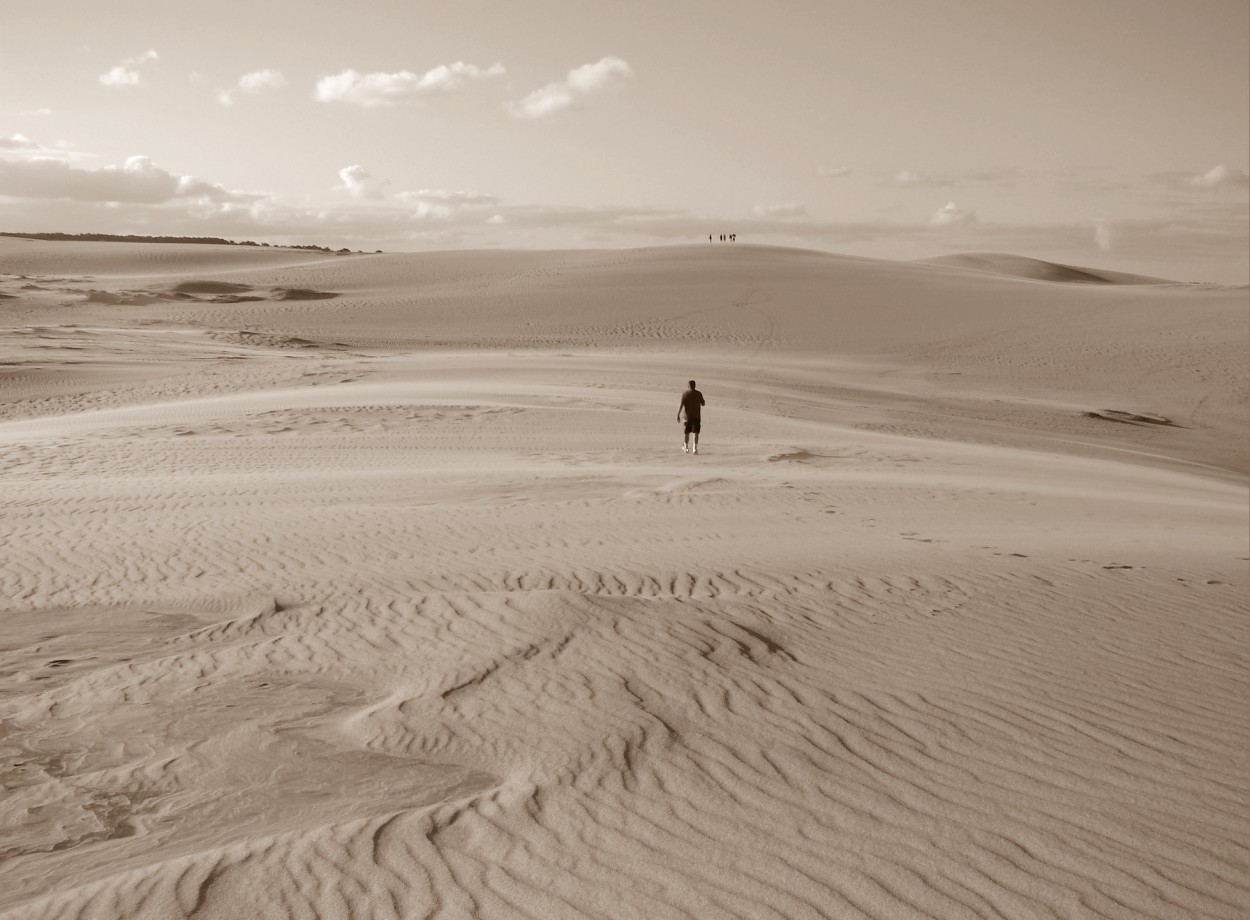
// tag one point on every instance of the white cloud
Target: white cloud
(21, 147)
(833, 172)
(19, 142)
(252, 83)
(127, 73)
(258, 80)
(909, 179)
(444, 204)
(360, 182)
(447, 77)
(425, 210)
(121, 76)
(590, 78)
(1220, 177)
(448, 197)
(38, 113)
(433, 204)
(951, 215)
(137, 181)
(371, 90)
(578, 83)
(779, 210)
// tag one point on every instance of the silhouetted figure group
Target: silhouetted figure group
(725, 237)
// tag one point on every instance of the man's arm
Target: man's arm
(681, 404)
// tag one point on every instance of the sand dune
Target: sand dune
(1039, 270)
(404, 601)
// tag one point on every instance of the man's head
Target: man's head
(692, 384)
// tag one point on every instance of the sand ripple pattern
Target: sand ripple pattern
(566, 755)
(293, 628)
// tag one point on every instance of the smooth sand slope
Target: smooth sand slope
(378, 586)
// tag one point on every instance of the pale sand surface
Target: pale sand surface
(405, 602)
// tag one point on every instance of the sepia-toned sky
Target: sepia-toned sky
(1111, 133)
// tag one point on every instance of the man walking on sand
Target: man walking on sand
(692, 405)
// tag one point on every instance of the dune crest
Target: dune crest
(1002, 263)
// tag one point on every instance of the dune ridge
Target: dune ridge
(405, 602)
(1040, 270)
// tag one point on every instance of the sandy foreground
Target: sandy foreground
(379, 586)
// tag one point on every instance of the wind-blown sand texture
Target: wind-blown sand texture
(378, 586)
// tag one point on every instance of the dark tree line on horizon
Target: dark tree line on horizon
(135, 238)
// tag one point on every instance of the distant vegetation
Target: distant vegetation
(210, 240)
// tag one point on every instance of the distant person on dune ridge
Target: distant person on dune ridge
(692, 405)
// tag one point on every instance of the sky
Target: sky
(1104, 133)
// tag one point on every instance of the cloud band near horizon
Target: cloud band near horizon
(45, 191)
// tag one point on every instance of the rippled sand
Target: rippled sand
(379, 586)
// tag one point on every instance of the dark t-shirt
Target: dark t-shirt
(692, 403)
